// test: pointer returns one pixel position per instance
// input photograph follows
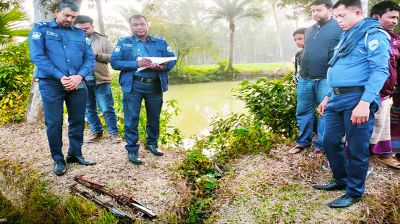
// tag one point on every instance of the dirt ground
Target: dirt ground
(272, 188)
(277, 189)
(155, 184)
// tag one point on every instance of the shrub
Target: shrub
(15, 81)
(272, 102)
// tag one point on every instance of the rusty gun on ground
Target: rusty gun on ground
(121, 199)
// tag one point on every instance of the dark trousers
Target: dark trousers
(351, 169)
(53, 97)
(132, 102)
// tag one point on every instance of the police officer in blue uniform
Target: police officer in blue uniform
(357, 72)
(148, 84)
(62, 60)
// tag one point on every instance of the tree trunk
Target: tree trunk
(365, 7)
(100, 16)
(34, 111)
(278, 32)
(231, 39)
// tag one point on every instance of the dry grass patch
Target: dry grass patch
(156, 183)
(277, 189)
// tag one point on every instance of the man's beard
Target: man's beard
(66, 23)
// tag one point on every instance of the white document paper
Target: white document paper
(158, 60)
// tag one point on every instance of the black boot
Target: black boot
(134, 157)
(154, 150)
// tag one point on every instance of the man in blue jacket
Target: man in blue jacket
(62, 59)
(320, 41)
(148, 84)
(357, 72)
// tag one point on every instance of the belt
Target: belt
(146, 80)
(350, 89)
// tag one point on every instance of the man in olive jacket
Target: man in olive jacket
(99, 84)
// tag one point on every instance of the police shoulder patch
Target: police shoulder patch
(373, 44)
(117, 49)
(36, 35)
(169, 49)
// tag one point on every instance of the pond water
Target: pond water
(200, 102)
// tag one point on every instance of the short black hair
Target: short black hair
(68, 4)
(327, 3)
(300, 31)
(348, 3)
(384, 7)
(137, 17)
(83, 19)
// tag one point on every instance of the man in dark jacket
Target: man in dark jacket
(320, 41)
(63, 60)
(131, 56)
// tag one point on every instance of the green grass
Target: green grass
(38, 205)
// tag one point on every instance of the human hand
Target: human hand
(157, 67)
(322, 105)
(73, 82)
(145, 62)
(360, 113)
(64, 81)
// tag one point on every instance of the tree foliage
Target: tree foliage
(10, 17)
(232, 10)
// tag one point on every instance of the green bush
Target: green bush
(15, 81)
(272, 102)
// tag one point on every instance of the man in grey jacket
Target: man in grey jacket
(99, 84)
(320, 41)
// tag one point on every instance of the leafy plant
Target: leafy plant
(15, 80)
(273, 103)
(10, 16)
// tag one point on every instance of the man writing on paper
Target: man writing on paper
(148, 84)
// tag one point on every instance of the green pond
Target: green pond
(200, 102)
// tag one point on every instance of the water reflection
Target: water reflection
(199, 103)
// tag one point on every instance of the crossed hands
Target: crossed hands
(359, 115)
(149, 64)
(72, 82)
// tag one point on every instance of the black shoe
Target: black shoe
(154, 150)
(134, 158)
(343, 201)
(59, 168)
(331, 186)
(80, 160)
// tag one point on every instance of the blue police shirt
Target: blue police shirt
(58, 51)
(124, 58)
(366, 65)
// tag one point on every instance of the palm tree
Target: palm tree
(232, 10)
(9, 26)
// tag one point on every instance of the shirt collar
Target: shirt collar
(149, 39)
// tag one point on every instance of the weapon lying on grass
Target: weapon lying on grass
(121, 199)
(122, 216)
